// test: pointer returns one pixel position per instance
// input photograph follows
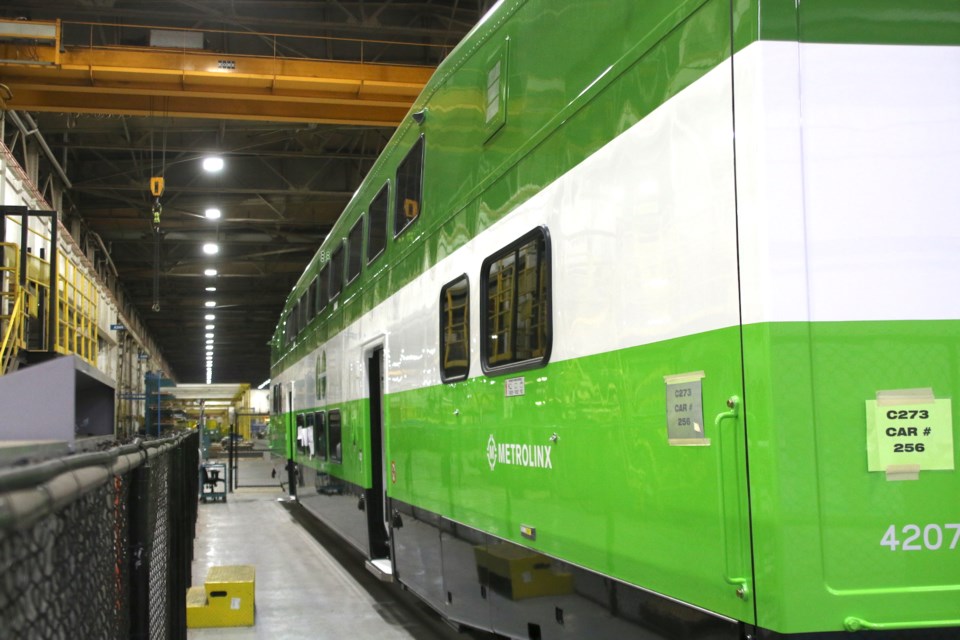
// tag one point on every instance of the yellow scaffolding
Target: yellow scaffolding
(23, 307)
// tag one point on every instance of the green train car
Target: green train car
(645, 324)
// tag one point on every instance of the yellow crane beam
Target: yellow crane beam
(44, 76)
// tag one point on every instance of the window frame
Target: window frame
(397, 194)
(444, 376)
(513, 247)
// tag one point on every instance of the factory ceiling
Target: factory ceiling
(287, 175)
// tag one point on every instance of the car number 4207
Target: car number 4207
(919, 537)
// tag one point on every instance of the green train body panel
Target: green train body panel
(779, 522)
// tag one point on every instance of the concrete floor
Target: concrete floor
(302, 591)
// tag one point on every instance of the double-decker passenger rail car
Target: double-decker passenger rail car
(645, 324)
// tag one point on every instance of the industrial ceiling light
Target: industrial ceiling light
(209, 347)
(208, 335)
(212, 164)
(209, 316)
(212, 213)
(209, 341)
(211, 289)
(210, 327)
(211, 248)
(210, 303)
(209, 272)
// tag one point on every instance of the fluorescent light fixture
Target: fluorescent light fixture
(211, 289)
(210, 303)
(209, 272)
(209, 347)
(209, 316)
(209, 341)
(208, 335)
(213, 164)
(212, 213)
(264, 383)
(211, 248)
(210, 327)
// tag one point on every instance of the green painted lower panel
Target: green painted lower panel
(611, 494)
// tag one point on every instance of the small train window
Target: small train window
(495, 107)
(335, 436)
(516, 332)
(409, 189)
(354, 251)
(336, 272)
(455, 330)
(308, 434)
(377, 227)
(312, 300)
(322, 288)
(277, 398)
(302, 317)
(320, 434)
(302, 443)
(289, 328)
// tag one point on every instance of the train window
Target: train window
(495, 107)
(320, 434)
(312, 300)
(336, 272)
(322, 287)
(292, 327)
(455, 330)
(302, 313)
(288, 329)
(516, 332)
(377, 225)
(301, 440)
(355, 251)
(335, 436)
(308, 434)
(409, 189)
(277, 398)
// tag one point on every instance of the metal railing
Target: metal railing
(99, 545)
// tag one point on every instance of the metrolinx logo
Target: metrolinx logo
(521, 455)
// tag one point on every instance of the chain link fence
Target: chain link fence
(99, 545)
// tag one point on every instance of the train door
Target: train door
(377, 525)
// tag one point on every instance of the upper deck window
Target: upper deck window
(354, 251)
(495, 112)
(409, 201)
(336, 272)
(322, 288)
(377, 225)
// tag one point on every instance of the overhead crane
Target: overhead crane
(44, 74)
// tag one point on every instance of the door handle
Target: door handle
(731, 577)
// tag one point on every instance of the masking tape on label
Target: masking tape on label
(681, 378)
(905, 396)
(896, 472)
(689, 442)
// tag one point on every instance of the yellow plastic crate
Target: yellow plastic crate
(225, 600)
